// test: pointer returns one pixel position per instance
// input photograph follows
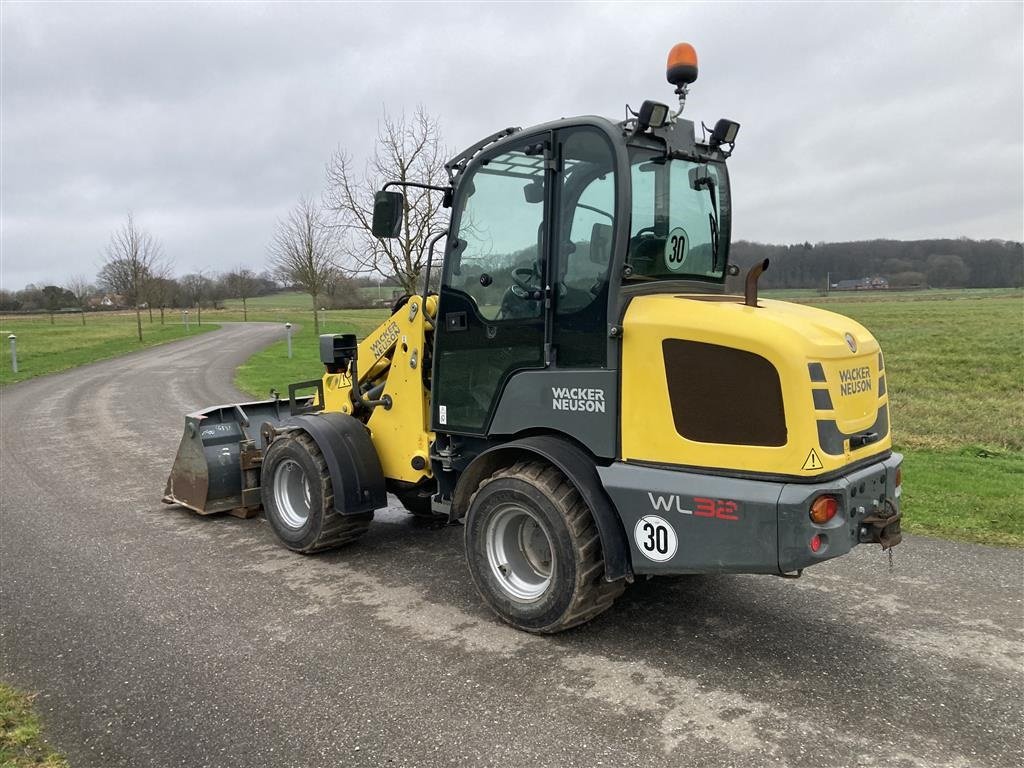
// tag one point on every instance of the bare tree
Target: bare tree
(304, 252)
(161, 291)
(342, 292)
(80, 286)
(241, 284)
(407, 149)
(133, 257)
(154, 289)
(196, 287)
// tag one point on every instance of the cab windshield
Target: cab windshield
(680, 221)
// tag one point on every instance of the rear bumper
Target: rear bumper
(867, 494)
(686, 522)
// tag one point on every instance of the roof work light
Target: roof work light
(652, 115)
(724, 133)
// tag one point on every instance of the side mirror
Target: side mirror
(387, 214)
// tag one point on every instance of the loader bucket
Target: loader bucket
(217, 468)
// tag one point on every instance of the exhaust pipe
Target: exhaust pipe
(750, 290)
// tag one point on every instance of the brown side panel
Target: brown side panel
(723, 395)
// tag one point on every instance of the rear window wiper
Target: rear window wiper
(713, 224)
(708, 183)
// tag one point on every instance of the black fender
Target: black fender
(579, 468)
(356, 474)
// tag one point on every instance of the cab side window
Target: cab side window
(587, 198)
(498, 262)
(588, 251)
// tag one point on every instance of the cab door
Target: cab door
(493, 299)
(493, 309)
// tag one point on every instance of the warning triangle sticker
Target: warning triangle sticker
(812, 461)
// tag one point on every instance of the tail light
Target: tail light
(824, 509)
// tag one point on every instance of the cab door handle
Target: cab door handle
(455, 321)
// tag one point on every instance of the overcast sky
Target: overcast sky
(208, 121)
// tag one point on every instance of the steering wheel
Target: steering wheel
(636, 265)
(526, 279)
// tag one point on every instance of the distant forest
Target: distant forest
(959, 263)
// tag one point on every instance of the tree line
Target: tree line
(938, 263)
(197, 290)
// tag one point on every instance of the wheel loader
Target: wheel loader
(582, 394)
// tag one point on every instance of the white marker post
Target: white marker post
(185, 316)
(288, 329)
(14, 352)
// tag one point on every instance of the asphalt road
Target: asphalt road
(159, 638)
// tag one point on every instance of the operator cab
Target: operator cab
(554, 228)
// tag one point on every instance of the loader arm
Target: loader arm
(393, 367)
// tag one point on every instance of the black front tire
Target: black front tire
(576, 590)
(295, 458)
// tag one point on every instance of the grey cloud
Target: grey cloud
(859, 121)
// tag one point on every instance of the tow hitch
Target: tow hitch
(882, 526)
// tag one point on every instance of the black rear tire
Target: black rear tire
(558, 590)
(298, 498)
(417, 502)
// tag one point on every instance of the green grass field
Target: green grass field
(21, 739)
(284, 301)
(44, 348)
(294, 300)
(955, 369)
(816, 296)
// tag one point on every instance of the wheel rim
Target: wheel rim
(292, 493)
(519, 553)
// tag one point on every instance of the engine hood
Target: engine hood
(780, 388)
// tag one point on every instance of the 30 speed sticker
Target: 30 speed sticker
(677, 246)
(655, 538)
